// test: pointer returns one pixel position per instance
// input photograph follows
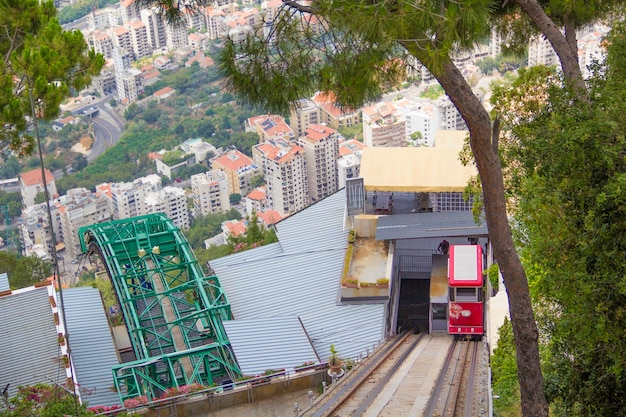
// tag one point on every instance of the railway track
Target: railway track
(454, 394)
(352, 396)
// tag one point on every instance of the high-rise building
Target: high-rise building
(171, 201)
(210, 193)
(78, 208)
(284, 166)
(35, 230)
(127, 199)
(383, 125)
(155, 28)
(349, 162)
(302, 114)
(321, 149)
(139, 38)
(334, 116)
(239, 169)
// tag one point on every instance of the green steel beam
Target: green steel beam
(141, 255)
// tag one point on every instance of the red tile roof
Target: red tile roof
(33, 177)
(233, 160)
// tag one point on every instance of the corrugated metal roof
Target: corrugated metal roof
(269, 343)
(4, 282)
(424, 225)
(93, 351)
(30, 346)
(303, 280)
(324, 218)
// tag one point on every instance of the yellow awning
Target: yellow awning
(422, 169)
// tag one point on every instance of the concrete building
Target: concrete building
(239, 170)
(210, 193)
(449, 116)
(303, 113)
(78, 208)
(216, 26)
(155, 28)
(334, 116)
(139, 38)
(256, 200)
(200, 149)
(383, 125)
(171, 201)
(175, 37)
(102, 43)
(128, 81)
(129, 10)
(349, 162)
(285, 168)
(269, 127)
(102, 19)
(321, 149)
(422, 117)
(126, 199)
(122, 39)
(36, 231)
(31, 184)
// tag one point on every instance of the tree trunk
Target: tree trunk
(565, 48)
(488, 162)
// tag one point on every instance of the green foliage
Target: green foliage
(39, 58)
(570, 183)
(433, 92)
(173, 157)
(80, 9)
(235, 198)
(80, 162)
(204, 227)
(24, 271)
(504, 383)
(10, 168)
(351, 132)
(43, 400)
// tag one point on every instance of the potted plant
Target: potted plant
(352, 282)
(61, 339)
(334, 363)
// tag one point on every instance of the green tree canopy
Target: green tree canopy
(39, 58)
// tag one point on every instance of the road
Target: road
(108, 127)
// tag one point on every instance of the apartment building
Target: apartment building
(239, 169)
(102, 19)
(139, 38)
(130, 10)
(449, 116)
(302, 114)
(155, 28)
(285, 169)
(36, 231)
(31, 184)
(102, 43)
(422, 117)
(349, 162)
(256, 200)
(122, 39)
(126, 199)
(321, 150)
(383, 125)
(175, 37)
(80, 207)
(270, 127)
(216, 28)
(171, 201)
(210, 192)
(332, 115)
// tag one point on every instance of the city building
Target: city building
(303, 113)
(171, 201)
(31, 184)
(422, 117)
(285, 168)
(130, 10)
(449, 116)
(383, 125)
(35, 230)
(270, 126)
(321, 149)
(349, 162)
(332, 115)
(239, 170)
(269, 217)
(256, 200)
(202, 151)
(78, 208)
(210, 192)
(155, 27)
(102, 43)
(126, 199)
(139, 38)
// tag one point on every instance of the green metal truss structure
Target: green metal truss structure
(173, 312)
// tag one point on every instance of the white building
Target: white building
(78, 208)
(269, 127)
(210, 193)
(199, 149)
(35, 230)
(284, 166)
(239, 169)
(127, 199)
(383, 125)
(302, 114)
(321, 149)
(422, 117)
(171, 201)
(449, 116)
(31, 184)
(155, 28)
(349, 162)
(256, 200)
(139, 38)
